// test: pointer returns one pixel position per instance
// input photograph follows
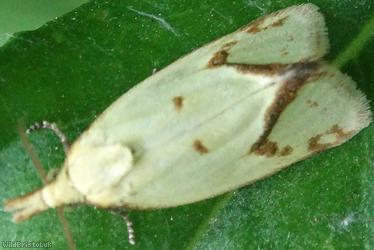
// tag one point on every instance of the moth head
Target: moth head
(91, 173)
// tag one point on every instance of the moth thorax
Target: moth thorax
(96, 166)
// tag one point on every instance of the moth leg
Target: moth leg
(126, 219)
(54, 128)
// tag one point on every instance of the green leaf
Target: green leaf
(70, 70)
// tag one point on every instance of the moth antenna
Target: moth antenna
(129, 224)
(52, 126)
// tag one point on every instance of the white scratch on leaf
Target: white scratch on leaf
(347, 220)
(100, 48)
(161, 21)
(255, 4)
(228, 19)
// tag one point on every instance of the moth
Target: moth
(234, 111)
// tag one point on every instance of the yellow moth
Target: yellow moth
(234, 111)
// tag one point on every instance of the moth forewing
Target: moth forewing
(295, 34)
(234, 148)
(327, 111)
(199, 152)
